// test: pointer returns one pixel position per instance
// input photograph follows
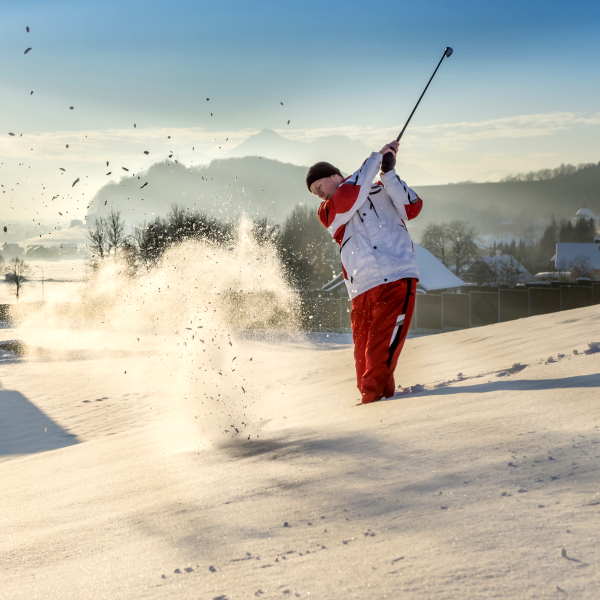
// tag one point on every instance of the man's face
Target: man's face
(325, 187)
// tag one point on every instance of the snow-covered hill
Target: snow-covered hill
(485, 485)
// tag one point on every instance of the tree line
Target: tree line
(310, 257)
(306, 251)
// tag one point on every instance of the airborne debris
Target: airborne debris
(75, 182)
(27, 28)
(27, 50)
(143, 186)
(146, 152)
(125, 168)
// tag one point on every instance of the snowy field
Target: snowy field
(192, 464)
(57, 281)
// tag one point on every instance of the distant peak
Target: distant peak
(266, 133)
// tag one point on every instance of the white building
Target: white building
(506, 270)
(581, 260)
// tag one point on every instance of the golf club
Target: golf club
(447, 52)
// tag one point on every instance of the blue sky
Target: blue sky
(332, 62)
(345, 65)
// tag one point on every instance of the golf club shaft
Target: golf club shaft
(447, 52)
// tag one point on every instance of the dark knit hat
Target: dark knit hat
(320, 170)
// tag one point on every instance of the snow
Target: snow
(568, 254)
(61, 281)
(483, 484)
(506, 264)
(433, 274)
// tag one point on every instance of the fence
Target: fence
(470, 307)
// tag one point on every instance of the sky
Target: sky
(520, 92)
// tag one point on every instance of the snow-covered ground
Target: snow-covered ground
(141, 459)
(57, 281)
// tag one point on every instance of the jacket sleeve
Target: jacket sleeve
(405, 199)
(336, 211)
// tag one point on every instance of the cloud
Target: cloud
(104, 144)
(514, 127)
(198, 144)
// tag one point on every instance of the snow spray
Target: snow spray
(190, 311)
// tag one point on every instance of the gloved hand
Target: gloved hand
(389, 156)
(388, 162)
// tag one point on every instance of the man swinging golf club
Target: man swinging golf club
(368, 221)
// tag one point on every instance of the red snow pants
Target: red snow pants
(380, 321)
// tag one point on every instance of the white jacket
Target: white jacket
(368, 221)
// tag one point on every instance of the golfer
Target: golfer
(368, 221)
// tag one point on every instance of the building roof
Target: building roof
(433, 274)
(499, 262)
(77, 235)
(568, 254)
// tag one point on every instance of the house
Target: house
(501, 269)
(434, 275)
(69, 242)
(582, 260)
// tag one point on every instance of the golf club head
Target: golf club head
(448, 51)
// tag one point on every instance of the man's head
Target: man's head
(322, 179)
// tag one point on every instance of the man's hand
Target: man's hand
(389, 156)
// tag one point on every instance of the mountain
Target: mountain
(512, 207)
(225, 189)
(262, 187)
(345, 153)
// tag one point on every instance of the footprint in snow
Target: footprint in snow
(511, 370)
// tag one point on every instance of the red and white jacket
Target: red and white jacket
(368, 221)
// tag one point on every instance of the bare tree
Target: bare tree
(453, 243)
(581, 267)
(16, 274)
(97, 242)
(463, 249)
(115, 231)
(508, 272)
(435, 239)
